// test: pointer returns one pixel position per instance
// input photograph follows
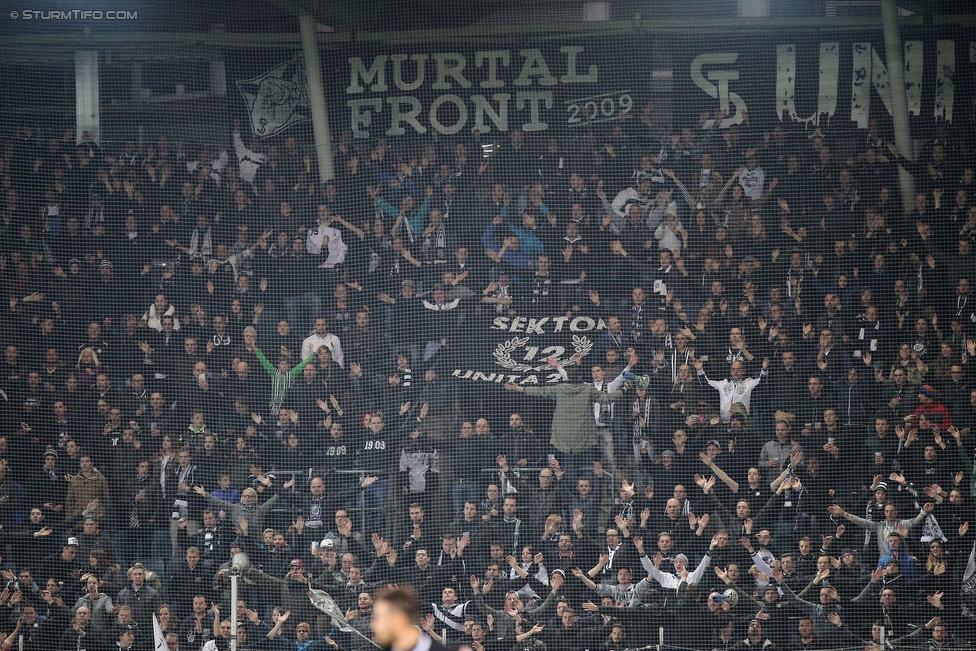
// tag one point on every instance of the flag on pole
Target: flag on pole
(158, 637)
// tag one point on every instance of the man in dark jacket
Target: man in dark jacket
(143, 600)
(189, 579)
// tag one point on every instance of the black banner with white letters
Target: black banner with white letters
(828, 80)
(818, 80)
(515, 349)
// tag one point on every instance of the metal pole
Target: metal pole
(87, 112)
(233, 610)
(899, 99)
(316, 98)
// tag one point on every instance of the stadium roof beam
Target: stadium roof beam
(193, 45)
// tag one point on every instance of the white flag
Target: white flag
(158, 637)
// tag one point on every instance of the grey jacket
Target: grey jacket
(573, 427)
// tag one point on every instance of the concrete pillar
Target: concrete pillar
(899, 98)
(316, 97)
(86, 94)
(218, 79)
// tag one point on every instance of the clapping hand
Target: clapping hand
(708, 485)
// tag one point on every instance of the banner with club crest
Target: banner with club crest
(516, 349)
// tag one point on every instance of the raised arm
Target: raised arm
(216, 501)
(276, 630)
(479, 601)
(295, 372)
(696, 576)
(725, 188)
(666, 579)
(780, 478)
(834, 509)
(717, 507)
(387, 208)
(216, 621)
(803, 606)
(681, 188)
(718, 472)
(552, 599)
(358, 232)
(265, 364)
(587, 581)
(264, 508)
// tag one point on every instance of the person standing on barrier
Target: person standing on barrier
(574, 430)
(377, 455)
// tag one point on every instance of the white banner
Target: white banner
(277, 99)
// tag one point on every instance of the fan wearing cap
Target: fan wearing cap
(65, 565)
(876, 505)
(667, 580)
(332, 569)
(107, 292)
(292, 589)
(931, 413)
(49, 489)
(126, 638)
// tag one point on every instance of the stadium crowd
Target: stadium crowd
(206, 351)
